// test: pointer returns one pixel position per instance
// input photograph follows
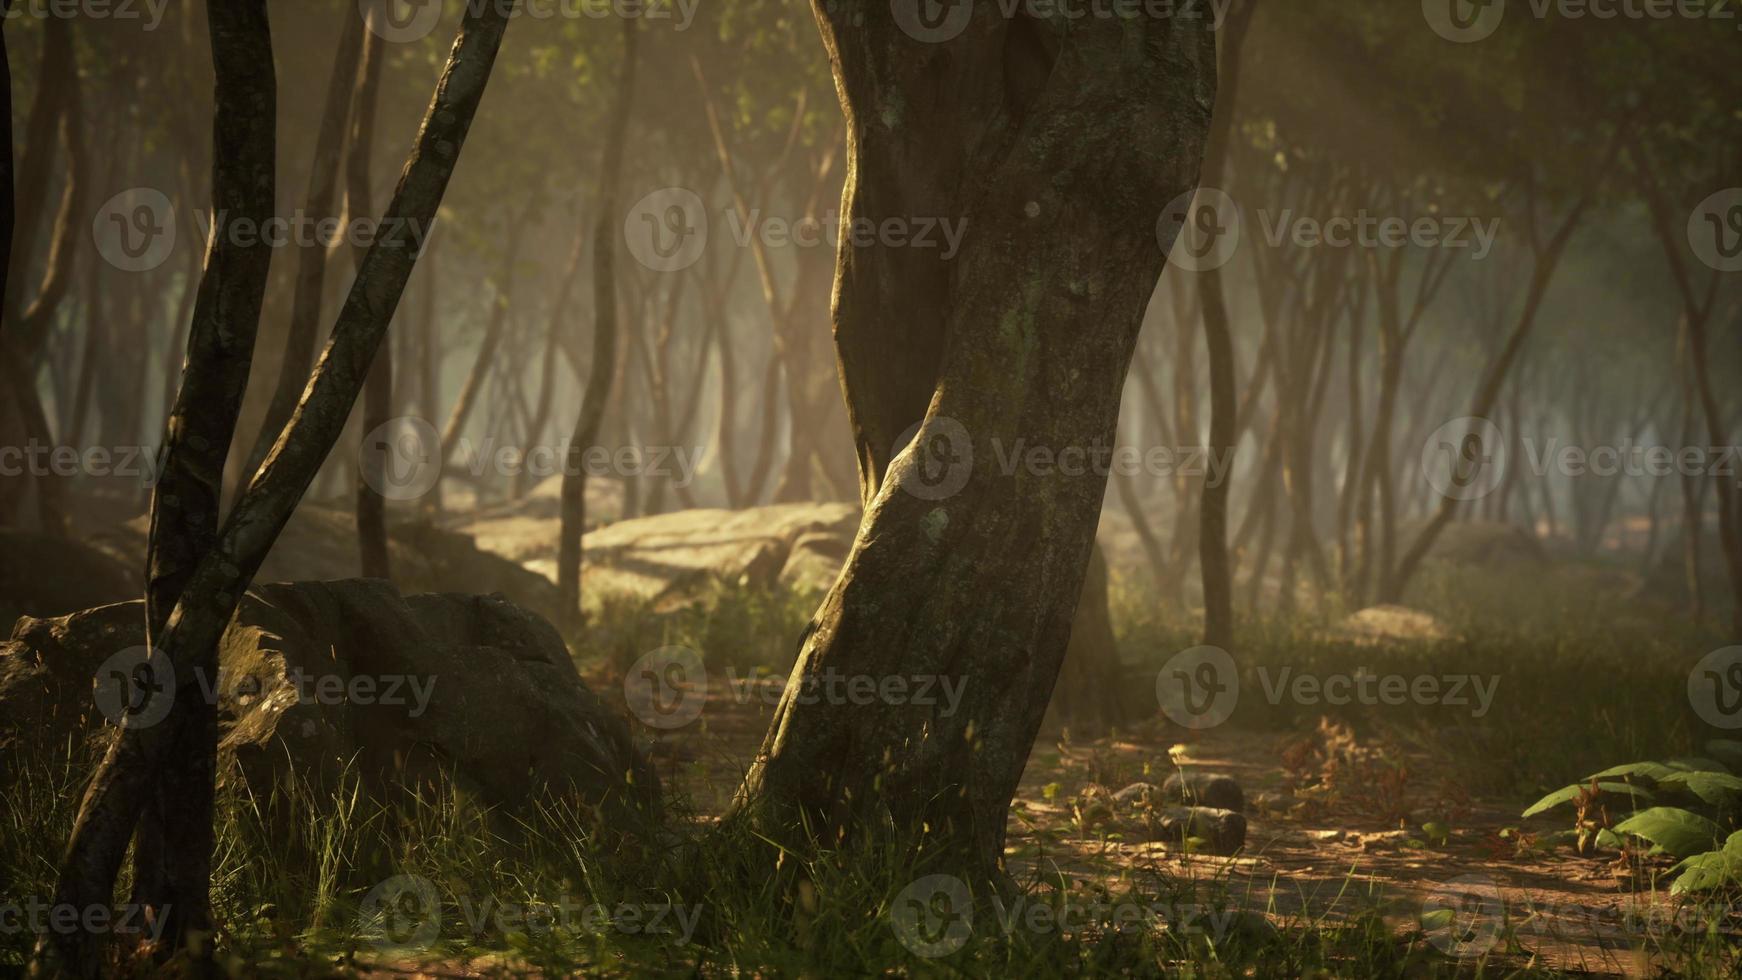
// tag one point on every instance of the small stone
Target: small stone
(1136, 793)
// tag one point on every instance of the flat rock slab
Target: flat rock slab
(669, 559)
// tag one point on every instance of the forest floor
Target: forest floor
(1332, 834)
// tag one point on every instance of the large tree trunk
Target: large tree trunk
(140, 759)
(1062, 148)
(604, 366)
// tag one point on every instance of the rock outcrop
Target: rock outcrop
(320, 678)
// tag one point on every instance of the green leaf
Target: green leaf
(1715, 788)
(1674, 831)
(1653, 771)
(1565, 794)
(1696, 763)
(1708, 870)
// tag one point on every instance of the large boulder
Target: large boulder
(1485, 544)
(316, 678)
(670, 559)
(319, 544)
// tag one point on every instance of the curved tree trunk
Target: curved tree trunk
(1063, 148)
(604, 366)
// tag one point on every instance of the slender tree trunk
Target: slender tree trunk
(604, 366)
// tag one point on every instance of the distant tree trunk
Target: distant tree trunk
(1697, 313)
(140, 759)
(57, 81)
(604, 366)
(1090, 693)
(8, 198)
(1065, 146)
(55, 109)
(378, 390)
(485, 359)
(323, 196)
(547, 365)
